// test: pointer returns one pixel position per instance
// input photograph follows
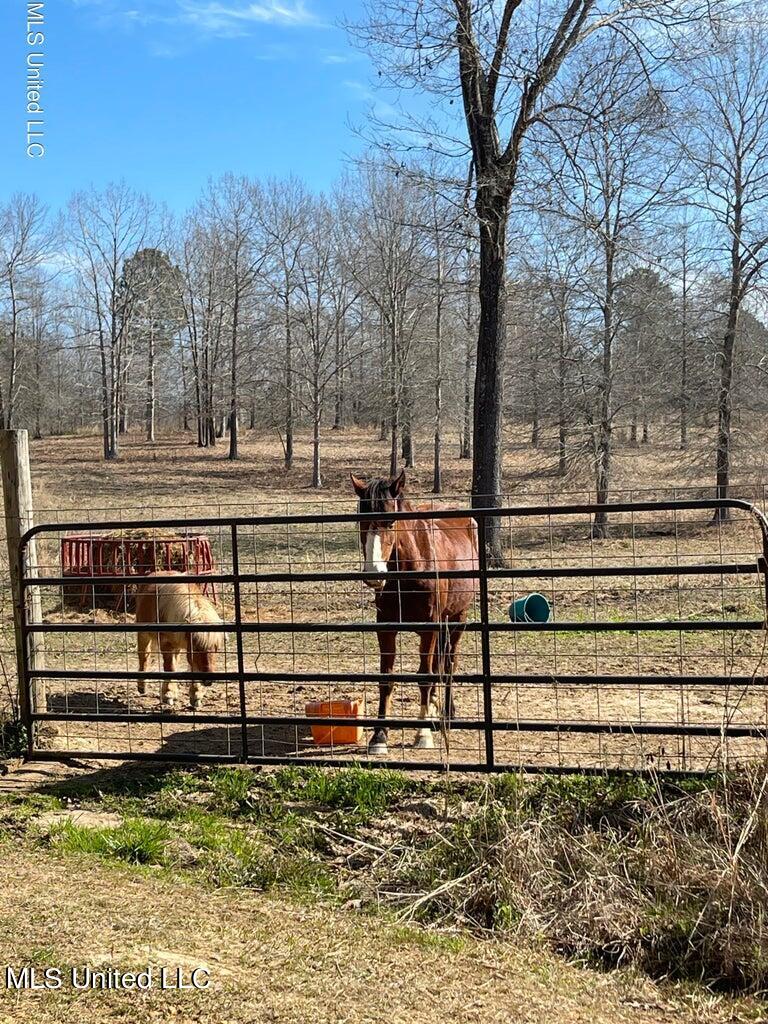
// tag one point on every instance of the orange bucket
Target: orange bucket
(327, 735)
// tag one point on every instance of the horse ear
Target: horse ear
(359, 485)
(397, 484)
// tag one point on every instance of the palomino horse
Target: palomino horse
(426, 545)
(177, 601)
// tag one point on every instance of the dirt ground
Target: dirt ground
(548, 677)
(272, 960)
(174, 473)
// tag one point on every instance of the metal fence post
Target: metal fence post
(485, 641)
(239, 642)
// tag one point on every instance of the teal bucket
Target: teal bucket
(533, 608)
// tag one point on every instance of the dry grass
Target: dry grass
(665, 876)
(273, 960)
(174, 470)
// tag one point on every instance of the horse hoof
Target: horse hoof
(424, 740)
(378, 749)
(194, 705)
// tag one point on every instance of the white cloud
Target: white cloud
(207, 17)
(362, 92)
(238, 18)
(337, 58)
(360, 89)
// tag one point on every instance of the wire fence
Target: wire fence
(652, 654)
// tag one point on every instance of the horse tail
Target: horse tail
(445, 666)
(443, 642)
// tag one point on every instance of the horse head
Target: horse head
(381, 498)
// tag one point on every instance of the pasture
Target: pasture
(442, 861)
(579, 678)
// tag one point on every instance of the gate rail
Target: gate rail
(486, 679)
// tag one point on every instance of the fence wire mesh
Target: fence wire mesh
(653, 656)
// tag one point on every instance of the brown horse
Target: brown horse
(177, 601)
(426, 545)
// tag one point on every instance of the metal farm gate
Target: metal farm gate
(653, 657)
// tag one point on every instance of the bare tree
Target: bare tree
(609, 177)
(235, 209)
(285, 213)
(508, 56)
(24, 241)
(203, 302)
(728, 148)
(156, 314)
(385, 256)
(104, 229)
(319, 308)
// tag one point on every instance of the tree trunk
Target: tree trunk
(683, 399)
(233, 453)
(338, 412)
(408, 448)
(535, 414)
(384, 420)
(122, 400)
(465, 447)
(489, 372)
(9, 409)
(605, 423)
(725, 399)
(317, 480)
(437, 473)
(288, 387)
(562, 405)
(684, 367)
(635, 397)
(394, 398)
(107, 399)
(184, 390)
(151, 385)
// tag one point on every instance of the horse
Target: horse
(427, 545)
(177, 601)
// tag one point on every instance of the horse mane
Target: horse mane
(183, 601)
(208, 642)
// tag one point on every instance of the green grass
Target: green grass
(359, 791)
(136, 841)
(13, 737)
(607, 869)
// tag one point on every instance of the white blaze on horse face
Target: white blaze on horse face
(374, 560)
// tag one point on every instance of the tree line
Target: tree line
(584, 269)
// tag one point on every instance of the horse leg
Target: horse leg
(169, 691)
(450, 661)
(146, 647)
(378, 745)
(427, 648)
(195, 687)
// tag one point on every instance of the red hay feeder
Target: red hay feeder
(130, 554)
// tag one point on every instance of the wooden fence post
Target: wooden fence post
(19, 517)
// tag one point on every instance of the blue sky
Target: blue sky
(165, 93)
